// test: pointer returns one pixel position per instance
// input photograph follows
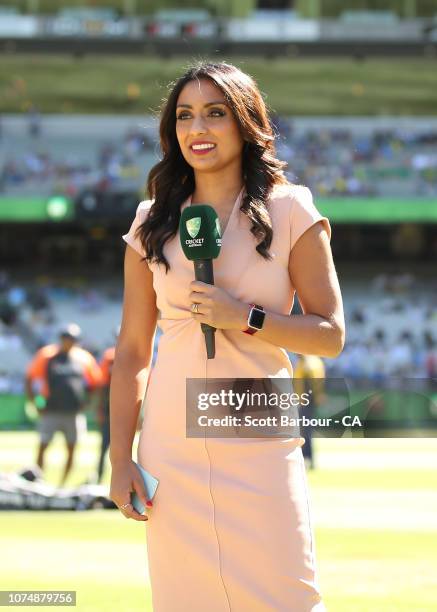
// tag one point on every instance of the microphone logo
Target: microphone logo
(193, 226)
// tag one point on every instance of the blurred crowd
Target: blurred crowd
(341, 162)
(378, 360)
(391, 330)
(31, 313)
(332, 162)
(51, 166)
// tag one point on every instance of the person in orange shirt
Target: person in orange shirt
(103, 407)
(66, 373)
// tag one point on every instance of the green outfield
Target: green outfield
(374, 506)
(106, 84)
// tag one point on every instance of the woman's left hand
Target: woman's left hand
(216, 307)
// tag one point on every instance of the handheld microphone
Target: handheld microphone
(200, 235)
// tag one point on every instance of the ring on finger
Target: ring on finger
(195, 307)
(122, 507)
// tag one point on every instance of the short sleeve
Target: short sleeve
(92, 371)
(105, 366)
(140, 216)
(304, 214)
(37, 367)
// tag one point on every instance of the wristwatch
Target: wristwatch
(255, 319)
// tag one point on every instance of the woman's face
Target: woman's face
(207, 132)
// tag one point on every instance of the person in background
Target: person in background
(67, 374)
(309, 374)
(430, 360)
(34, 122)
(103, 404)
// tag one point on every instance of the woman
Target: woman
(230, 527)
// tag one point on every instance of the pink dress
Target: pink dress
(230, 529)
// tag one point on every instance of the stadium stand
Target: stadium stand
(61, 156)
(390, 315)
(390, 320)
(33, 309)
(53, 155)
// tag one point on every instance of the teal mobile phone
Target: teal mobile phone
(150, 484)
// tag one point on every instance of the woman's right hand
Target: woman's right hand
(125, 479)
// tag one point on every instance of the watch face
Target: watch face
(257, 318)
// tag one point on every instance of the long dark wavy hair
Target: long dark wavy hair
(171, 180)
